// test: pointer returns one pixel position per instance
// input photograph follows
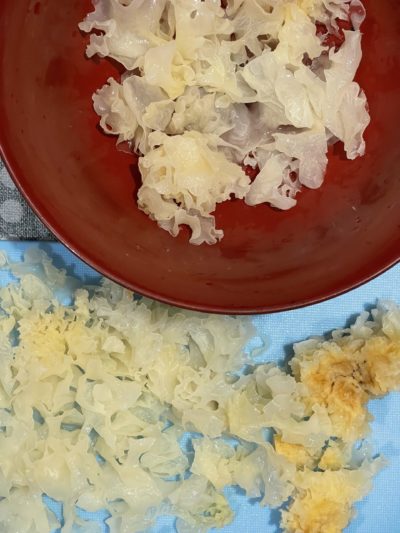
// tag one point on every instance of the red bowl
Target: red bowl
(84, 189)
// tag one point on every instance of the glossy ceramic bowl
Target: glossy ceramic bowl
(84, 189)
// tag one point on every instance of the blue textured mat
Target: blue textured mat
(380, 511)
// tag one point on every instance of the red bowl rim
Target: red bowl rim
(74, 247)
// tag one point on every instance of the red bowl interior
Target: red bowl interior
(84, 189)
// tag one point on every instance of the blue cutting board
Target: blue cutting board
(380, 511)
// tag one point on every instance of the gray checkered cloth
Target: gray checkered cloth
(17, 220)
